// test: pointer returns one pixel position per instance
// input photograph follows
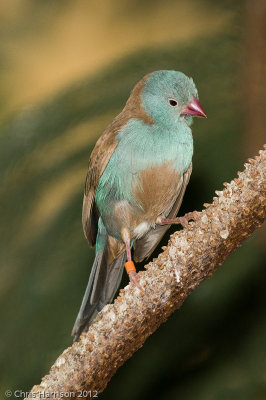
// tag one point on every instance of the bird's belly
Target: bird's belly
(141, 229)
(154, 193)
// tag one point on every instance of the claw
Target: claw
(194, 215)
(134, 280)
(183, 221)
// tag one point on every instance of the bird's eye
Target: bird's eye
(172, 102)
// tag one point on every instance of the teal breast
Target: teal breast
(141, 147)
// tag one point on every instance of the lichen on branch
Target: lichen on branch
(191, 256)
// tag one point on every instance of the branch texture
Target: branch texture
(191, 256)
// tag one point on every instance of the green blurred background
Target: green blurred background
(66, 69)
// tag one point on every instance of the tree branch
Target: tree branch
(191, 256)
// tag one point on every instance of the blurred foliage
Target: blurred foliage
(214, 346)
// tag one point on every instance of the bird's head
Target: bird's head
(170, 97)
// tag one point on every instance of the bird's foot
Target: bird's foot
(194, 215)
(134, 280)
(131, 270)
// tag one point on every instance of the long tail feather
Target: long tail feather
(103, 283)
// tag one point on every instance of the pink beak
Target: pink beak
(194, 108)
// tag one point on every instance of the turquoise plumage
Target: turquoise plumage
(137, 176)
(133, 153)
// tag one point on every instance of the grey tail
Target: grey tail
(103, 283)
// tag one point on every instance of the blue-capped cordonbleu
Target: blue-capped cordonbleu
(138, 173)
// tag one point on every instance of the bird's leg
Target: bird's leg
(129, 265)
(194, 215)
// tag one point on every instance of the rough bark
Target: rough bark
(191, 256)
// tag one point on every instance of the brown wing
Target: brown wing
(101, 154)
(144, 246)
(99, 158)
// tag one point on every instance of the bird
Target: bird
(137, 175)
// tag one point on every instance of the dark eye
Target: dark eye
(172, 102)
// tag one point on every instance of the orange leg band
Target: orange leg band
(129, 265)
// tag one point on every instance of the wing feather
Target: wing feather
(101, 154)
(98, 161)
